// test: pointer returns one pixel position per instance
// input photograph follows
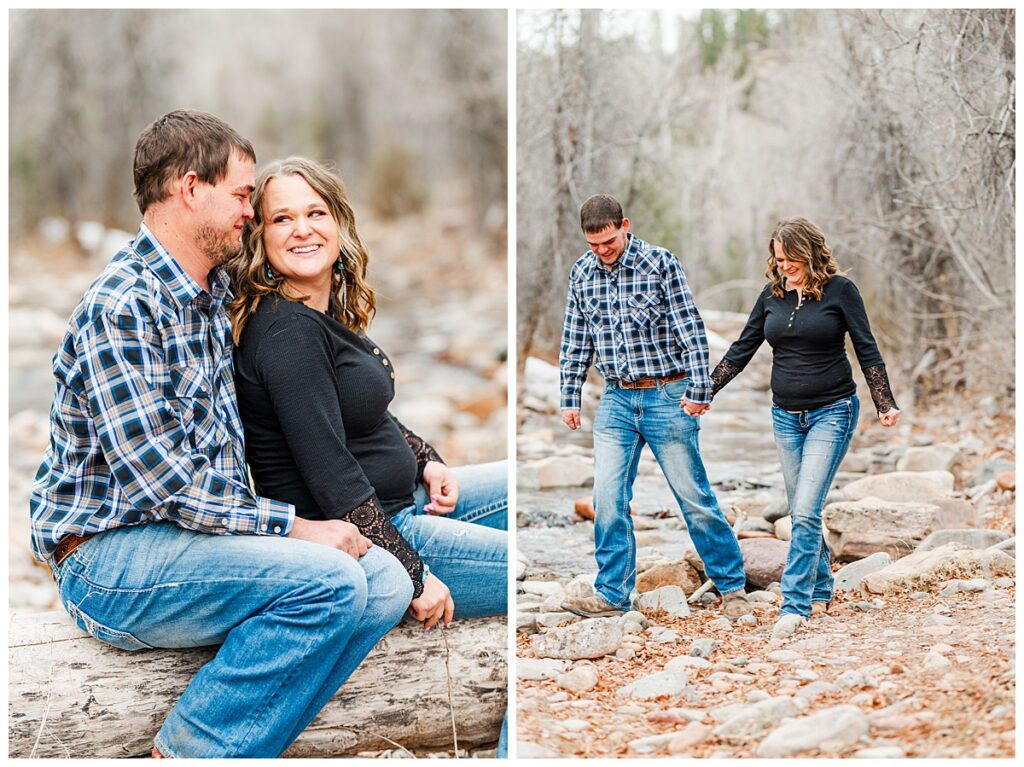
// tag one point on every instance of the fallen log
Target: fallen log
(73, 696)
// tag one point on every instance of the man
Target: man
(141, 506)
(630, 303)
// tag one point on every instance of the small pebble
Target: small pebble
(746, 620)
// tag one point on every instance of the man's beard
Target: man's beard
(215, 245)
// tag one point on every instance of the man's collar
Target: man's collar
(181, 286)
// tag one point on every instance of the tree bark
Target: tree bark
(72, 696)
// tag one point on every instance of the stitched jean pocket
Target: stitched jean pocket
(119, 639)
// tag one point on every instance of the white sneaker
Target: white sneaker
(787, 625)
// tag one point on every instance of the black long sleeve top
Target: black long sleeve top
(314, 400)
(810, 368)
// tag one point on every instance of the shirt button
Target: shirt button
(392, 376)
(277, 529)
(264, 528)
(376, 350)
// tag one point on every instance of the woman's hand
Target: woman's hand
(433, 603)
(889, 418)
(442, 487)
(332, 532)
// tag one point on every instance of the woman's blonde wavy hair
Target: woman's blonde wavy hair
(249, 269)
(804, 242)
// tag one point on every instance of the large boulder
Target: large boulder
(848, 578)
(976, 539)
(903, 486)
(857, 529)
(930, 458)
(681, 574)
(831, 731)
(923, 569)
(764, 559)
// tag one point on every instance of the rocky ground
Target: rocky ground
(441, 316)
(914, 659)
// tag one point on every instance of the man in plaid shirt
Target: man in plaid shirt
(142, 506)
(629, 303)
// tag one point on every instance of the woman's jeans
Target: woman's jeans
(812, 444)
(626, 420)
(293, 618)
(466, 550)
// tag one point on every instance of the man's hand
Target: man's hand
(694, 409)
(571, 418)
(889, 418)
(433, 603)
(442, 487)
(343, 536)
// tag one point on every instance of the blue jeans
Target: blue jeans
(468, 549)
(812, 444)
(626, 420)
(294, 619)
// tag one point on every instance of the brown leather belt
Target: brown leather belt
(66, 545)
(650, 383)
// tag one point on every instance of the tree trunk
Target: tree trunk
(72, 696)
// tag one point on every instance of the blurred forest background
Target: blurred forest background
(411, 107)
(892, 130)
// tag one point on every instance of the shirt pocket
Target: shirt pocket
(645, 309)
(193, 400)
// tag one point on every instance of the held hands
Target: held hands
(434, 603)
(343, 536)
(442, 487)
(694, 409)
(571, 418)
(889, 418)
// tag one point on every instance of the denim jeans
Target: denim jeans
(626, 420)
(811, 446)
(468, 549)
(293, 619)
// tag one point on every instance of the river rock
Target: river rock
(656, 685)
(922, 569)
(652, 744)
(1007, 481)
(702, 648)
(976, 539)
(670, 599)
(830, 731)
(763, 560)
(581, 678)
(541, 588)
(591, 638)
(1009, 546)
(552, 619)
(857, 529)
(683, 662)
(528, 750)
(902, 487)
(534, 669)
(776, 510)
(990, 470)
(784, 528)
(752, 721)
(931, 458)
(557, 471)
(848, 578)
(681, 574)
(526, 623)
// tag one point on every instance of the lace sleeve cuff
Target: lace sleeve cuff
(421, 449)
(724, 372)
(372, 522)
(878, 383)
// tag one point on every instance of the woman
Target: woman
(314, 392)
(805, 312)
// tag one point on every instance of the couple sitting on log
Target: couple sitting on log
(142, 506)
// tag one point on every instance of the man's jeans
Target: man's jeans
(293, 619)
(811, 445)
(626, 420)
(468, 549)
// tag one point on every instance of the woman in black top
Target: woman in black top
(805, 313)
(314, 391)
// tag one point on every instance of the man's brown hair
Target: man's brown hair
(598, 211)
(181, 141)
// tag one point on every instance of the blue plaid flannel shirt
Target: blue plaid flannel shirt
(145, 425)
(639, 318)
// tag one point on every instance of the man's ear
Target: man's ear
(187, 187)
(625, 225)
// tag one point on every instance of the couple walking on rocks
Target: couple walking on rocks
(629, 304)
